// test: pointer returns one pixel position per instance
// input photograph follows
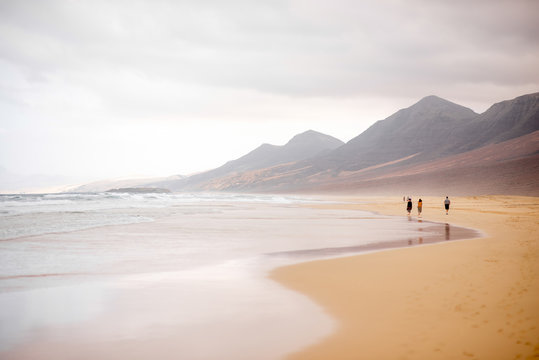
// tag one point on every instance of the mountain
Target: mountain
(420, 130)
(502, 121)
(302, 146)
(510, 167)
(415, 145)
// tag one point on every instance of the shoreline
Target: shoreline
(394, 277)
(224, 299)
(459, 299)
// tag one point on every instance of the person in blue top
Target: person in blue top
(446, 204)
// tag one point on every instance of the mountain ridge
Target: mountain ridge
(302, 146)
(424, 144)
(427, 132)
(503, 121)
(418, 128)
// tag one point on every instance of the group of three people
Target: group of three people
(420, 206)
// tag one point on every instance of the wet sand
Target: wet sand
(471, 299)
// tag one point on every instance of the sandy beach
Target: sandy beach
(476, 299)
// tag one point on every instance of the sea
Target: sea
(97, 269)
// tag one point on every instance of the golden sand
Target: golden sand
(470, 299)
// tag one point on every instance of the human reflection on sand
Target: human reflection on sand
(429, 233)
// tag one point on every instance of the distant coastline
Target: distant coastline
(140, 190)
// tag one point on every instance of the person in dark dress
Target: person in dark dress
(409, 206)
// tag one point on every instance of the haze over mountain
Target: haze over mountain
(433, 146)
(433, 135)
(420, 130)
(104, 185)
(302, 146)
(16, 183)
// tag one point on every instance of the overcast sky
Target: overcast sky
(104, 89)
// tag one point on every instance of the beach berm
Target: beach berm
(469, 299)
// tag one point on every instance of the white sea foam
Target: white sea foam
(37, 214)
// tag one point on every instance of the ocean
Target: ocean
(111, 267)
(37, 214)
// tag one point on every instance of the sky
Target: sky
(109, 89)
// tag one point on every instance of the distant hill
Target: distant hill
(139, 191)
(302, 146)
(105, 185)
(422, 147)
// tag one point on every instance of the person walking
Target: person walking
(409, 206)
(446, 204)
(419, 207)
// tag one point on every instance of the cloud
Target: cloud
(339, 64)
(298, 48)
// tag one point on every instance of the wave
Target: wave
(24, 215)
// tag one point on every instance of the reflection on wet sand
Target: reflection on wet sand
(433, 233)
(420, 238)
